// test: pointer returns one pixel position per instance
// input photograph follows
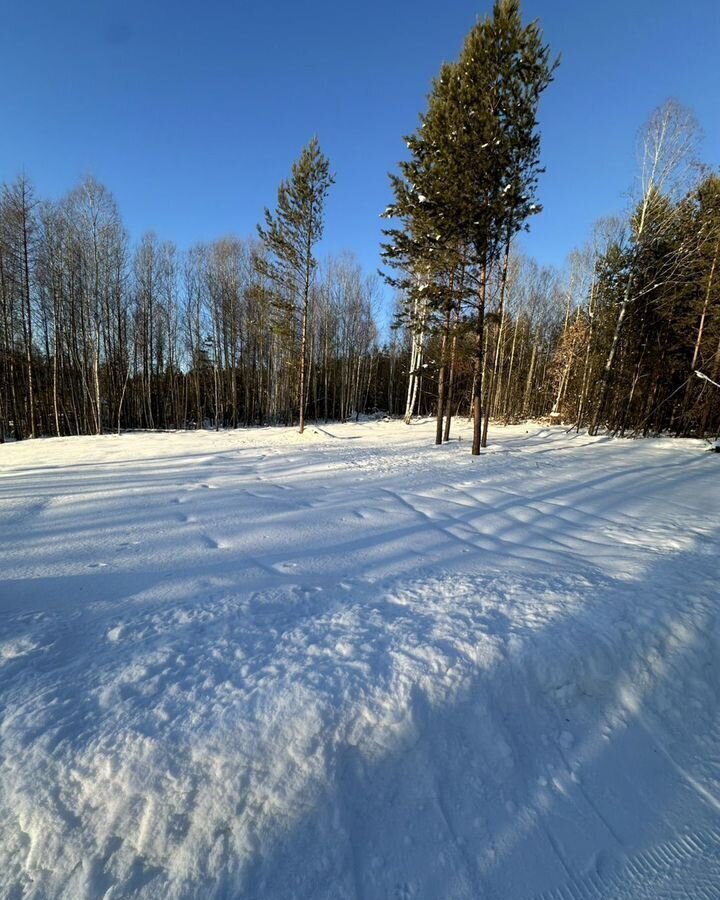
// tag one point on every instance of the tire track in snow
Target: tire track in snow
(686, 868)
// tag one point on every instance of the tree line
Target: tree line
(98, 335)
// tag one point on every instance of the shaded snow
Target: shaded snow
(349, 664)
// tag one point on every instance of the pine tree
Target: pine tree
(289, 236)
(470, 183)
(494, 148)
(421, 252)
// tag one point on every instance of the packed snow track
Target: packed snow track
(349, 664)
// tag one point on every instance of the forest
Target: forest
(98, 334)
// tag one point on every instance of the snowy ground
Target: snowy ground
(352, 665)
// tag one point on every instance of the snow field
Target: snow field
(351, 665)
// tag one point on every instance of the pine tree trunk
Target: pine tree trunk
(451, 386)
(442, 371)
(498, 346)
(301, 391)
(479, 364)
(303, 335)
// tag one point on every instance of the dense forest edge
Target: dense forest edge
(98, 335)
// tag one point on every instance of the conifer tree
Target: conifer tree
(494, 145)
(470, 184)
(289, 236)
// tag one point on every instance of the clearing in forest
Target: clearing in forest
(351, 664)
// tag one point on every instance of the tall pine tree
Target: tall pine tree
(289, 236)
(494, 148)
(471, 181)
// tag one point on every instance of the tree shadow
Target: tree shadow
(572, 754)
(544, 749)
(568, 751)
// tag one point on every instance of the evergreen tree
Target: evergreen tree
(470, 184)
(289, 236)
(494, 145)
(425, 258)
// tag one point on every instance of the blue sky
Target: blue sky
(191, 112)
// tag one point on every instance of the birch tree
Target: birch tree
(667, 145)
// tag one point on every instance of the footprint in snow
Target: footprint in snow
(186, 519)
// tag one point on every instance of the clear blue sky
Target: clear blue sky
(191, 112)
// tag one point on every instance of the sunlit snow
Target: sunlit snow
(351, 665)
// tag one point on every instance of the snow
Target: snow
(349, 664)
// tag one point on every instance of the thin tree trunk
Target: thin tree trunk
(508, 384)
(122, 397)
(498, 346)
(479, 364)
(443, 367)
(529, 382)
(701, 328)
(607, 370)
(451, 385)
(418, 339)
(587, 366)
(715, 376)
(96, 380)
(55, 380)
(28, 348)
